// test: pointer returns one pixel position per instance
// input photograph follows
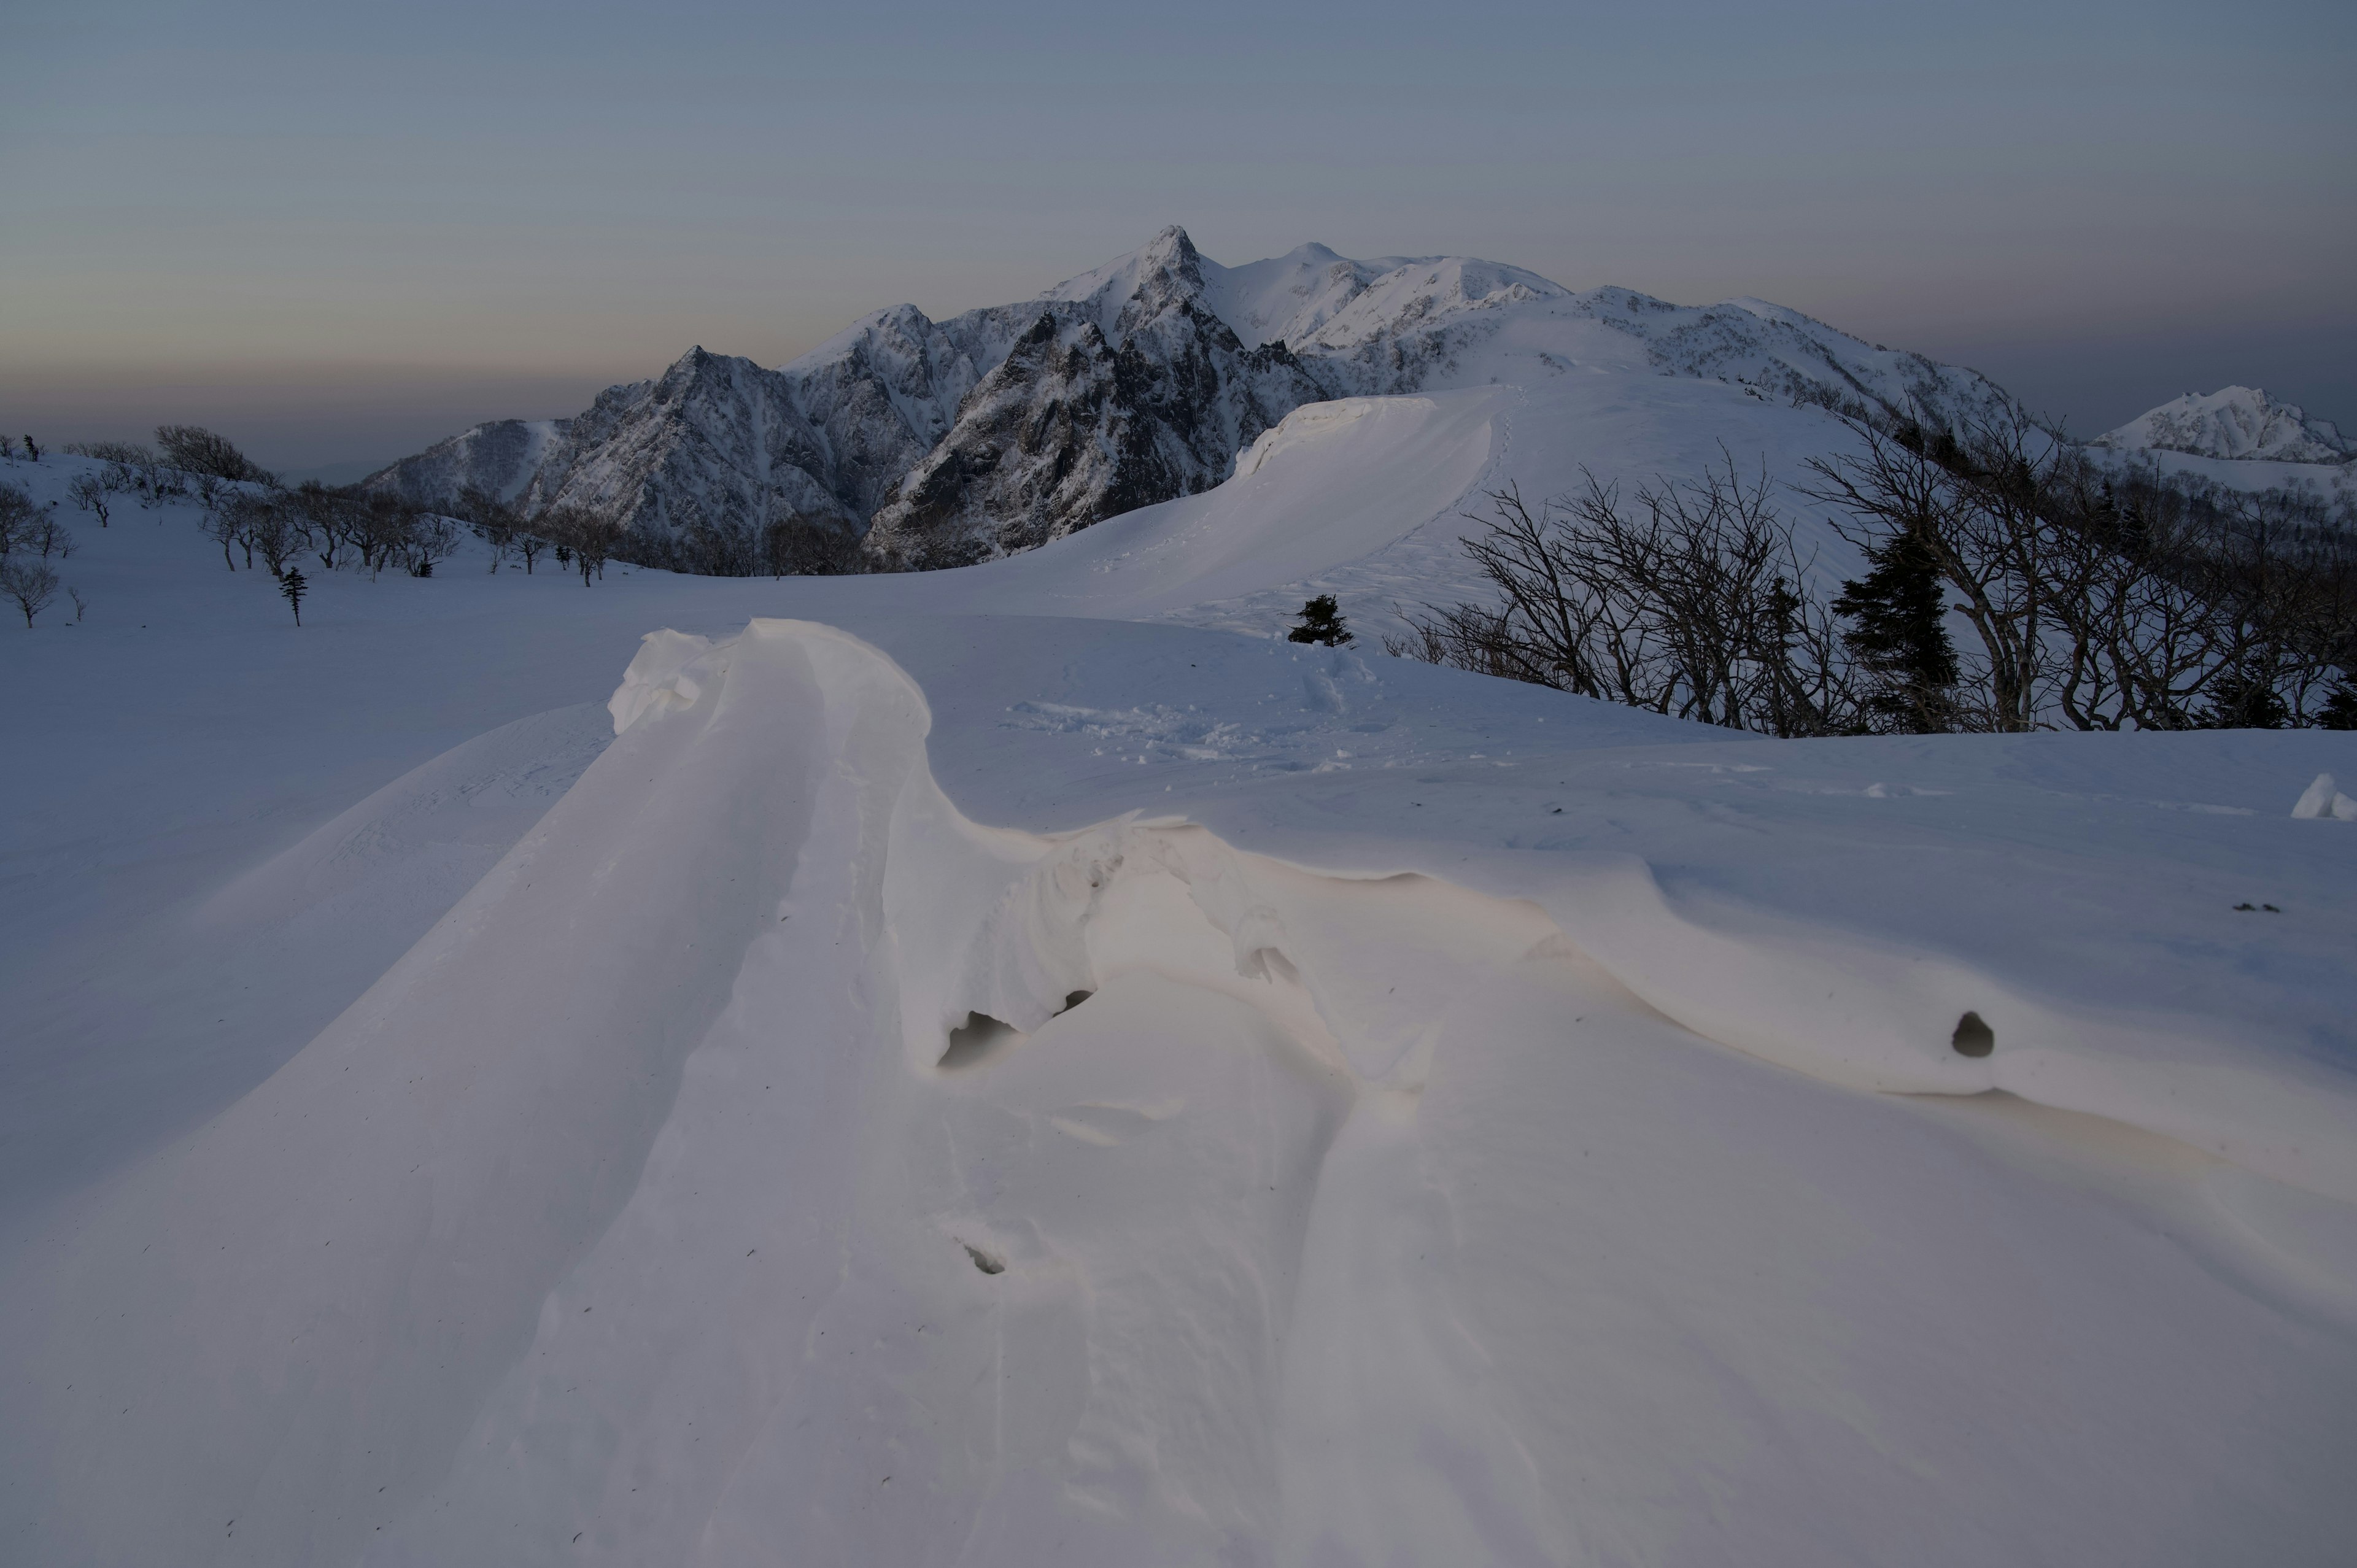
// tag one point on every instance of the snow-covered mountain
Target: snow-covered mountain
(499, 459)
(2240, 424)
(1126, 389)
(950, 442)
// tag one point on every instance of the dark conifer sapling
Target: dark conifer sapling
(293, 587)
(1898, 636)
(1321, 623)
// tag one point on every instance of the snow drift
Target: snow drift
(765, 1162)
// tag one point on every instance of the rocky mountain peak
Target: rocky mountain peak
(944, 442)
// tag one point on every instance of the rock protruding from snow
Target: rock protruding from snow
(2238, 423)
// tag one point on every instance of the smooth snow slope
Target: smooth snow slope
(634, 1217)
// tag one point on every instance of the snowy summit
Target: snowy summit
(2234, 423)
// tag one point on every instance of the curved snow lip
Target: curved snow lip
(1013, 946)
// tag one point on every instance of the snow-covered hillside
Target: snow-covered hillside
(1020, 1065)
(1138, 382)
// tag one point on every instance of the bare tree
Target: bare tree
(328, 521)
(86, 492)
(1690, 604)
(18, 517)
(194, 450)
(30, 585)
(270, 528)
(44, 536)
(588, 536)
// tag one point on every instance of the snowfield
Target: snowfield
(1021, 1065)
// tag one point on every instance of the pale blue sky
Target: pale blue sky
(339, 232)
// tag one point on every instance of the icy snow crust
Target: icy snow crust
(1016, 1065)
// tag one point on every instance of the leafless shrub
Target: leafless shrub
(1690, 603)
(30, 585)
(91, 495)
(18, 517)
(128, 454)
(43, 535)
(588, 537)
(194, 450)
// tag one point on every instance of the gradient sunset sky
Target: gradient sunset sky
(337, 232)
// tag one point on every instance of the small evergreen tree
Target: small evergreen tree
(1898, 637)
(32, 451)
(2246, 699)
(293, 587)
(2339, 710)
(1321, 623)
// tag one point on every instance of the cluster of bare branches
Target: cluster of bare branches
(30, 535)
(364, 531)
(1689, 603)
(2101, 600)
(579, 537)
(186, 460)
(2096, 597)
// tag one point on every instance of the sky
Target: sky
(337, 232)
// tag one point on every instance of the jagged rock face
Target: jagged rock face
(702, 461)
(705, 462)
(497, 459)
(2233, 423)
(1131, 394)
(955, 441)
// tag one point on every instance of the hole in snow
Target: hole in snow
(979, 1038)
(1073, 1000)
(984, 1261)
(1973, 1037)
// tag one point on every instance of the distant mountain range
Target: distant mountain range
(944, 442)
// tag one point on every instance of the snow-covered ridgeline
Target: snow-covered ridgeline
(1136, 383)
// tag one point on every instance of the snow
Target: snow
(1427, 1119)
(2322, 798)
(2236, 424)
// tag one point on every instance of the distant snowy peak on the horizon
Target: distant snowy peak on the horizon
(1137, 382)
(2234, 423)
